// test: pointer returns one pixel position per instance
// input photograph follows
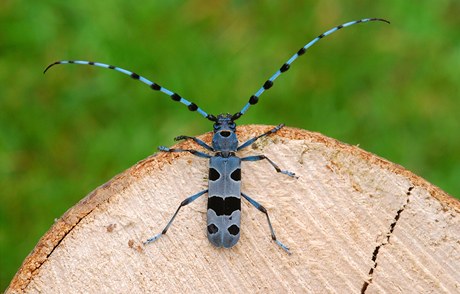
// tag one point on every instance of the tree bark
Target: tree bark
(354, 223)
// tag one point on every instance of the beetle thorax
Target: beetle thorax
(224, 139)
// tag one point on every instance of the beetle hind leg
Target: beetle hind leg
(183, 203)
(262, 209)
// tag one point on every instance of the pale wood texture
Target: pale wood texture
(354, 222)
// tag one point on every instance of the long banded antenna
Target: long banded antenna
(269, 83)
(154, 86)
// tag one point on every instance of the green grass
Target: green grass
(392, 89)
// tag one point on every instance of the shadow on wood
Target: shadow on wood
(354, 222)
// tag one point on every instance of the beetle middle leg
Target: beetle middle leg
(261, 157)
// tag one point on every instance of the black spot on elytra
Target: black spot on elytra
(212, 229)
(224, 206)
(234, 230)
(213, 174)
(236, 174)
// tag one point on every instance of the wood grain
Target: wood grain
(354, 222)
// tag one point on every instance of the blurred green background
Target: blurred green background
(392, 89)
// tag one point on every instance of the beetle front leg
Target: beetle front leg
(196, 140)
(252, 140)
(194, 152)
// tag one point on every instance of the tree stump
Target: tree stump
(354, 223)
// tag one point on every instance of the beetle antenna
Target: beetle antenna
(154, 86)
(269, 83)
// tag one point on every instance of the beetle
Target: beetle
(224, 183)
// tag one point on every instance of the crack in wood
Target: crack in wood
(385, 242)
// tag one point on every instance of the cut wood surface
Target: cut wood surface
(354, 223)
